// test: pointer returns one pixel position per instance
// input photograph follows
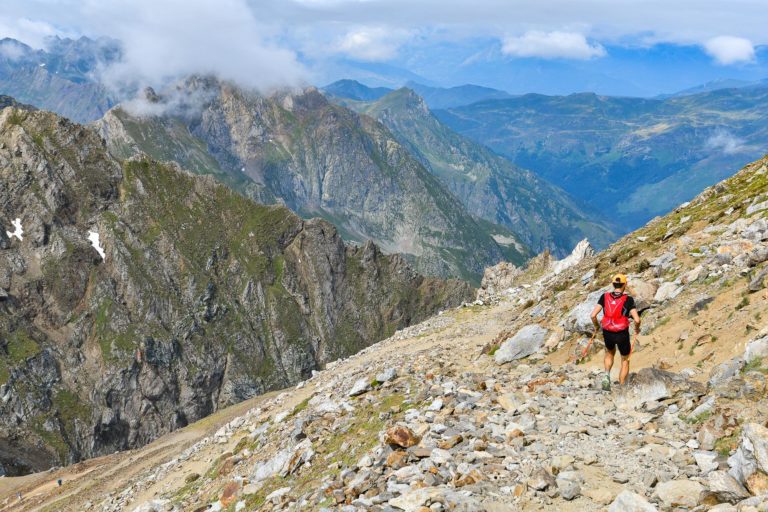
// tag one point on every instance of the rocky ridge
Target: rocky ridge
(434, 418)
(319, 159)
(136, 298)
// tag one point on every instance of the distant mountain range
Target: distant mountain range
(435, 97)
(630, 158)
(61, 78)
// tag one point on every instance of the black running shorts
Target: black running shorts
(621, 338)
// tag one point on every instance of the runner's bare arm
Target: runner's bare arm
(596, 312)
(636, 317)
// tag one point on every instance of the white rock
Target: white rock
(581, 251)
(279, 493)
(628, 501)
(359, 387)
(707, 461)
(757, 348)
(436, 405)
(675, 493)
(667, 291)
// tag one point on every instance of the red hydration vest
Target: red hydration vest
(613, 317)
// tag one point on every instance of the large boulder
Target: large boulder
(725, 487)
(652, 384)
(526, 342)
(579, 320)
(643, 293)
(749, 464)
(628, 501)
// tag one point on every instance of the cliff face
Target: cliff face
(202, 298)
(319, 159)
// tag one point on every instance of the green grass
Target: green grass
(701, 418)
(21, 347)
(755, 365)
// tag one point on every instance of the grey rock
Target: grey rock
(359, 387)
(525, 342)
(725, 372)
(569, 484)
(387, 375)
(706, 460)
(667, 291)
(752, 453)
(652, 384)
(725, 487)
(578, 319)
(757, 282)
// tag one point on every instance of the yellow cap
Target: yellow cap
(619, 279)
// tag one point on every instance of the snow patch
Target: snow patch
(94, 239)
(18, 231)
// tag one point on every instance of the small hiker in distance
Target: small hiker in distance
(617, 309)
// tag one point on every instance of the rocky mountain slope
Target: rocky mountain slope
(319, 159)
(645, 155)
(136, 298)
(60, 78)
(490, 186)
(490, 407)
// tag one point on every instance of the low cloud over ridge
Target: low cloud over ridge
(552, 45)
(730, 50)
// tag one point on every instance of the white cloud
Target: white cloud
(552, 45)
(725, 142)
(730, 50)
(371, 43)
(32, 32)
(166, 40)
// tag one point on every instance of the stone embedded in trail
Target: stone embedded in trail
(651, 384)
(628, 501)
(401, 436)
(569, 484)
(527, 341)
(674, 493)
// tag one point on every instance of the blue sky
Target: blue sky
(624, 47)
